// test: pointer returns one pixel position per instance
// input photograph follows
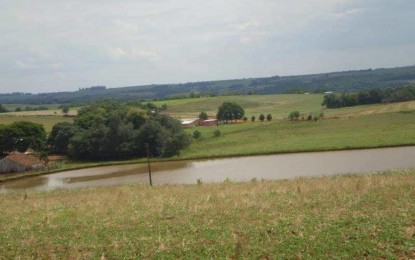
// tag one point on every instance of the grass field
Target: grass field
(346, 217)
(48, 121)
(279, 106)
(378, 130)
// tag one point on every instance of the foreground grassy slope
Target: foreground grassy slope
(333, 217)
(380, 130)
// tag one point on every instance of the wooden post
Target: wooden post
(148, 162)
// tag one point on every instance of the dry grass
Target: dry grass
(370, 216)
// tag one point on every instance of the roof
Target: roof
(210, 120)
(26, 160)
(189, 121)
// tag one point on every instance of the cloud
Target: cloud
(161, 41)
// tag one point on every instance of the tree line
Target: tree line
(103, 130)
(371, 96)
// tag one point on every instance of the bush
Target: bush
(216, 133)
(197, 134)
(261, 117)
(245, 118)
(253, 118)
(269, 117)
(294, 115)
(309, 117)
(203, 115)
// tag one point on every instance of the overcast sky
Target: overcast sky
(49, 45)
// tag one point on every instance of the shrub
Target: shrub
(203, 115)
(216, 133)
(261, 117)
(253, 118)
(294, 115)
(245, 118)
(309, 117)
(269, 117)
(197, 134)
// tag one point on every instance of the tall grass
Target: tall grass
(332, 217)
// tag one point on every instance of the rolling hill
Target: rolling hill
(348, 81)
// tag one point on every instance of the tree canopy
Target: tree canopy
(112, 130)
(3, 109)
(229, 111)
(21, 135)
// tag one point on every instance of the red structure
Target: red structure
(209, 122)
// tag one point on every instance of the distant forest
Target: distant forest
(344, 82)
(371, 96)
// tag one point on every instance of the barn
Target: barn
(209, 122)
(19, 162)
(189, 123)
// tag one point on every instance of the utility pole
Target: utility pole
(148, 162)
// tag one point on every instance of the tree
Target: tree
(294, 115)
(253, 118)
(22, 135)
(269, 117)
(59, 137)
(230, 111)
(261, 117)
(309, 117)
(245, 119)
(3, 109)
(65, 110)
(203, 115)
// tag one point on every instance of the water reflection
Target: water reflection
(240, 169)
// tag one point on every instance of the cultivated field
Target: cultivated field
(48, 121)
(346, 217)
(279, 106)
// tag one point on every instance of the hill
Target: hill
(342, 217)
(348, 81)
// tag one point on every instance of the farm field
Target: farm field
(279, 106)
(48, 121)
(250, 138)
(352, 216)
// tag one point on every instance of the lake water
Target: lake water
(270, 167)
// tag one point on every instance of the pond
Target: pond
(270, 167)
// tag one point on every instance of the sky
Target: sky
(51, 46)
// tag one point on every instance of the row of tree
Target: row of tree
(372, 96)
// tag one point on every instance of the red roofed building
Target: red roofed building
(19, 162)
(209, 122)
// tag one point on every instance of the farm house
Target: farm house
(209, 122)
(19, 162)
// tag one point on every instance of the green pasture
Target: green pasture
(279, 106)
(279, 136)
(48, 121)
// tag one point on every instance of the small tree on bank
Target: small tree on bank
(269, 117)
(262, 117)
(253, 118)
(203, 115)
(229, 111)
(294, 115)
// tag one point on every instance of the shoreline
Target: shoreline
(86, 165)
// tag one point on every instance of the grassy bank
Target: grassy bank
(379, 130)
(369, 216)
(372, 131)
